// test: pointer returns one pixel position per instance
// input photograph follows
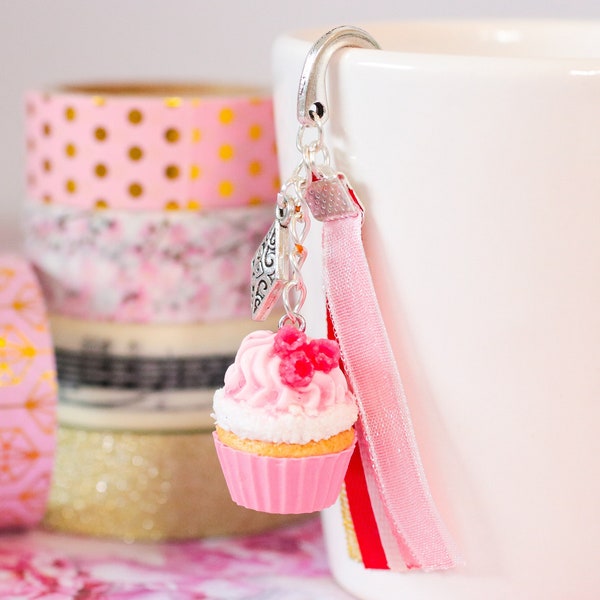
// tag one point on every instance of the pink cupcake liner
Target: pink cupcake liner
(283, 485)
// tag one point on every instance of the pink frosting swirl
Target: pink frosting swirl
(254, 379)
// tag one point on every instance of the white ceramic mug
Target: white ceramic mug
(475, 147)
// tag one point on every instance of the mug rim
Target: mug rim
(492, 40)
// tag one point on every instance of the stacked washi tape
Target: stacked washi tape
(145, 205)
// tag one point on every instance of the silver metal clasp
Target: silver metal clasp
(330, 197)
(312, 98)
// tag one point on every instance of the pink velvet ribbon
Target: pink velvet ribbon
(385, 433)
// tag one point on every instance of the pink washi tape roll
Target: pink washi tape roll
(145, 266)
(27, 397)
(151, 147)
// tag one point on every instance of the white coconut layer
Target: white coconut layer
(293, 426)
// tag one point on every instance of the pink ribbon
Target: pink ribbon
(385, 432)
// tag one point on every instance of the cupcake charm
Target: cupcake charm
(285, 417)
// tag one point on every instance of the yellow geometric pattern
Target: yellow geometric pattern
(36, 495)
(28, 304)
(40, 403)
(18, 454)
(17, 355)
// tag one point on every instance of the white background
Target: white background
(55, 41)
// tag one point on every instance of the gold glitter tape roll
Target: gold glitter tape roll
(145, 487)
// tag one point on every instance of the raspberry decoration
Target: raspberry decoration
(301, 357)
(296, 369)
(288, 339)
(324, 354)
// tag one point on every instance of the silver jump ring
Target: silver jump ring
(299, 287)
(313, 127)
(296, 320)
(309, 155)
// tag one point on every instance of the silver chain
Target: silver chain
(293, 213)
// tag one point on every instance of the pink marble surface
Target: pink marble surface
(286, 564)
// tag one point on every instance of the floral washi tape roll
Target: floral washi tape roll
(27, 397)
(151, 147)
(146, 377)
(144, 266)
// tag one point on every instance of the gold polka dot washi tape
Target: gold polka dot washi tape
(151, 147)
(27, 397)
